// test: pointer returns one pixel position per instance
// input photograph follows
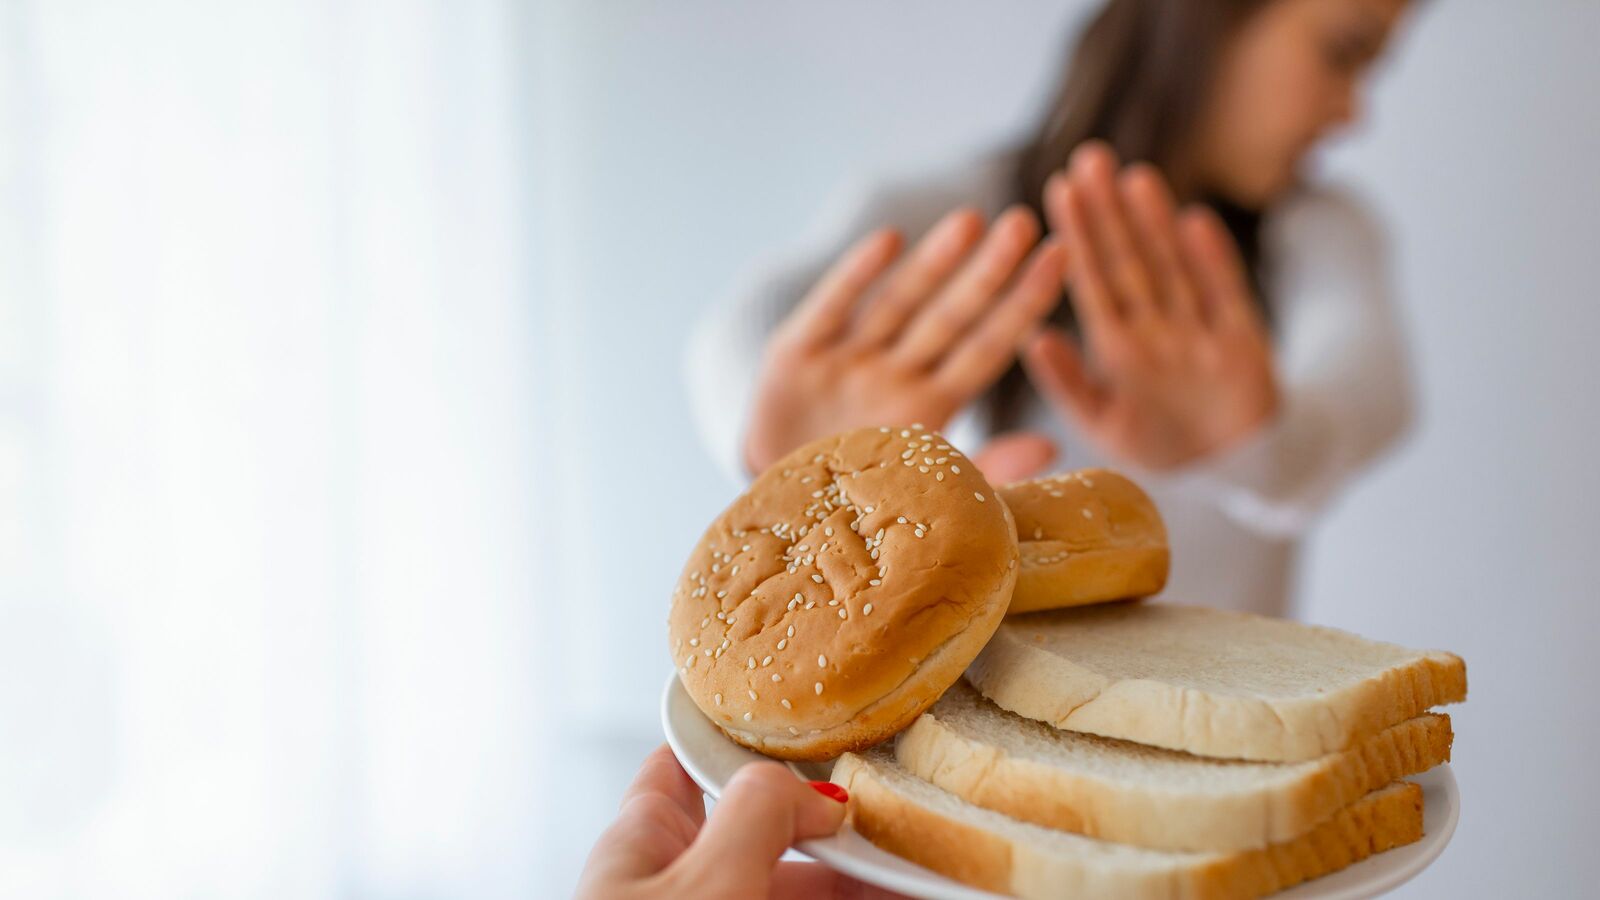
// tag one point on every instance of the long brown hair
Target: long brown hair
(1137, 77)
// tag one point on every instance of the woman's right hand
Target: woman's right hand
(888, 340)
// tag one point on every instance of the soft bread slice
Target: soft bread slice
(936, 829)
(1213, 683)
(1134, 794)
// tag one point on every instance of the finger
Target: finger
(661, 774)
(1091, 295)
(648, 835)
(1055, 367)
(1094, 170)
(814, 881)
(765, 810)
(1151, 208)
(988, 349)
(825, 311)
(909, 285)
(971, 290)
(1213, 257)
(1014, 456)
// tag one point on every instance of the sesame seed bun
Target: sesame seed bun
(1086, 537)
(840, 595)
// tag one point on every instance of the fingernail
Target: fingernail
(831, 791)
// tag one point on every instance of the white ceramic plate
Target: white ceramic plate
(711, 759)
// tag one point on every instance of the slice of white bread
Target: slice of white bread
(938, 830)
(1213, 683)
(1133, 794)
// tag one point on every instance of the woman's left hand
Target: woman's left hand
(1180, 365)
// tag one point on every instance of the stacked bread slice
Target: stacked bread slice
(1150, 750)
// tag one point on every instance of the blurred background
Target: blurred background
(345, 459)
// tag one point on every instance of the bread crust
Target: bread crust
(979, 856)
(1281, 806)
(839, 596)
(1088, 536)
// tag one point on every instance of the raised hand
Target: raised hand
(1179, 363)
(891, 339)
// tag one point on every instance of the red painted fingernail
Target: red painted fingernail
(831, 791)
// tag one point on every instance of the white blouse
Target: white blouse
(1234, 519)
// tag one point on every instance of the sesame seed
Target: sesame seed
(875, 582)
(874, 553)
(928, 460)
(905, 433)
(776, 677)
(978, 495)
(822, 661)
(810, 603)
(752, 695)
(1038, 534)
(688, 661)
(870, 509)
(782, 643)
(938, 476)
(908, 454)
(819, 687)
(752, 662)
(841, 614)
(901, 520)
(834, 602)
(922, 469)
(788, 705)
(827, 532)
(817, 578)
(1087, 514)
(955, 470)
(735, 571)
(694, 642)
(767, 661)
(721, 594)
(717, 698)
(791, 631)
(866, 610)
(747, 717)
(706, 651)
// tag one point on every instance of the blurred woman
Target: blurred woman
(1227, 336)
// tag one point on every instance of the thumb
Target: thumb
(1014, 456)
(764, 810)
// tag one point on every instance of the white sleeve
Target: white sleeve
(1344, 384)
(722, 357)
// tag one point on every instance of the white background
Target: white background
(345, 465)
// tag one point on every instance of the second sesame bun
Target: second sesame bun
(1088, 536)
(840, 595)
